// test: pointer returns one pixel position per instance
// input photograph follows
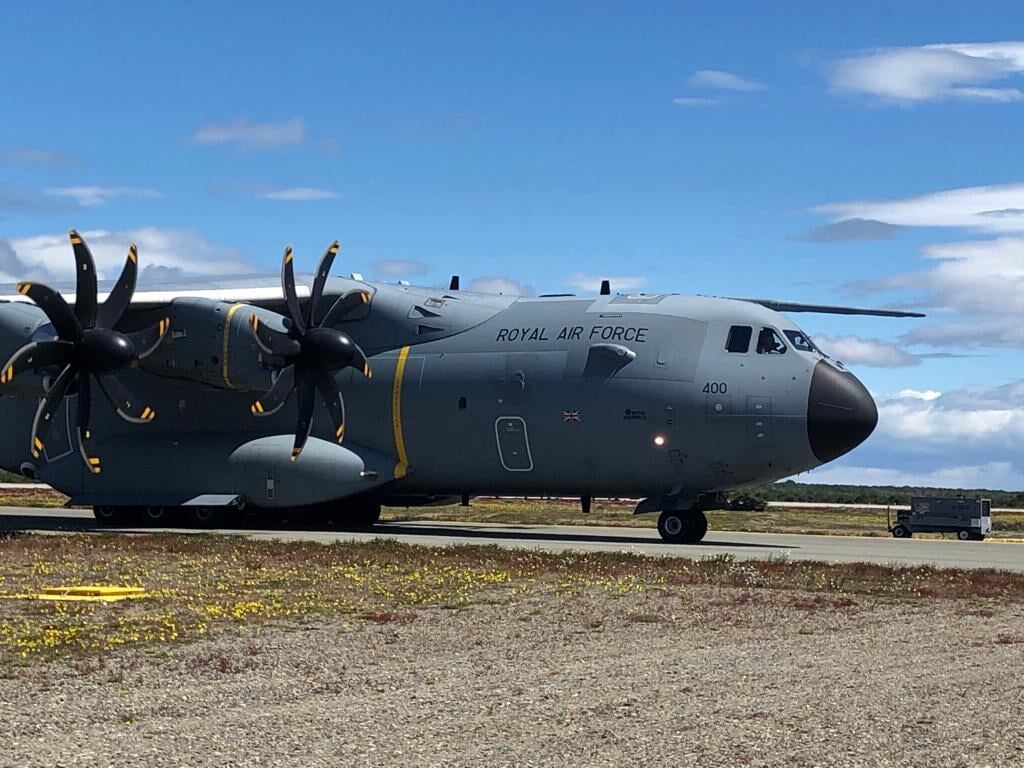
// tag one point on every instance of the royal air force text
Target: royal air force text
(575, 333)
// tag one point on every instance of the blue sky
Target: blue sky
(807, 151)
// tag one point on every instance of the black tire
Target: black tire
(900, 532)
(108, 515)
(205, 517)
(963, 535)
(155, 516)
(682, 527)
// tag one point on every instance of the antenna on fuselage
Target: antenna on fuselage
(606, 288)
(453, 285)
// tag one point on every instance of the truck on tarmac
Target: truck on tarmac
(969, 519)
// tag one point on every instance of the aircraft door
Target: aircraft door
(513, 443)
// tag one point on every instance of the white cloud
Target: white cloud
(975, 416)
(585, 282)
(503, 285)
(932, 72)
(855, 350)
(695, 102)
(726, 81)
(993, 209)
(98, 195)
(917, 394)
(252, 135)
(400, 267)
(300, 193)
(183, 252)
(995, 475)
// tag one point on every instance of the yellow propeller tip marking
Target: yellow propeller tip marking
(257, 407)
(24, 288)
(94, 461)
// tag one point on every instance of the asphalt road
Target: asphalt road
(947, 553)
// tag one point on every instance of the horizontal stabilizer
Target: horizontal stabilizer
(828, 309)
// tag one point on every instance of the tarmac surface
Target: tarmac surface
(944, 553)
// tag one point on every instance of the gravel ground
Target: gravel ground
(716, 677)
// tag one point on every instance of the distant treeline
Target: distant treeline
(876, 494)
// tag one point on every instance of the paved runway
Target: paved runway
(944, 553)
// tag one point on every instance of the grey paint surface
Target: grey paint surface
(743, 546)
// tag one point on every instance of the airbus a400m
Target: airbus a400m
(318, 403)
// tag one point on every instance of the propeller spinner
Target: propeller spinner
(87, 349)
(313, 351)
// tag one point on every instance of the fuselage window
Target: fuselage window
(799, 341)
(739, 338)
(770, 343)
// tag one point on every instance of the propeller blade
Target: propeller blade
(117, 302)
(35, 355)
(84, 417)
(332, 398)
(127, 407)
(48, 406)
(305, 388)
(343, 306)
(85, 281)
(56, 309)
(290, 296)
(147, 340)
(359, 361)
(273, 342)
(275, 397)
(322, 271)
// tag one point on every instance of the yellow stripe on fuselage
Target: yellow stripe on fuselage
(224, 351)
(396, 414)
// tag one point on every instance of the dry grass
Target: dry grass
(199, 584)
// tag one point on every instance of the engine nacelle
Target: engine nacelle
(211, 343)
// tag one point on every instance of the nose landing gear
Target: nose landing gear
(686, 527)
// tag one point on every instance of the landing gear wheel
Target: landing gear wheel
(963, 535)
(106, 514)
(682, 527)
(155, 517)
(206, 517)
(900, 532)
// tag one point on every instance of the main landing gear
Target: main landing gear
(686, 527)
(353, 514)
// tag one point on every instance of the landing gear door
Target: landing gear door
(513, 444)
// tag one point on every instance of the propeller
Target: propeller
(313, 351)
(87, 349)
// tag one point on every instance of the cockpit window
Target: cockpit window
(739, 338)
(770, 343)
(799, 341)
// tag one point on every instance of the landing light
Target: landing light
(659, 440)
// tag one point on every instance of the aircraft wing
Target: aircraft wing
(826, 309)
(260, 290)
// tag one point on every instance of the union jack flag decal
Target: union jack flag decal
(570, 415)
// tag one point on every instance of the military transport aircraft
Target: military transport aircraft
(293, 404)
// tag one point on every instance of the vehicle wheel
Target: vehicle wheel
(106, 514)
(682, 527)
(900, 532)
(963, 535)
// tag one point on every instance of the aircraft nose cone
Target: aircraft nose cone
(840, 413)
